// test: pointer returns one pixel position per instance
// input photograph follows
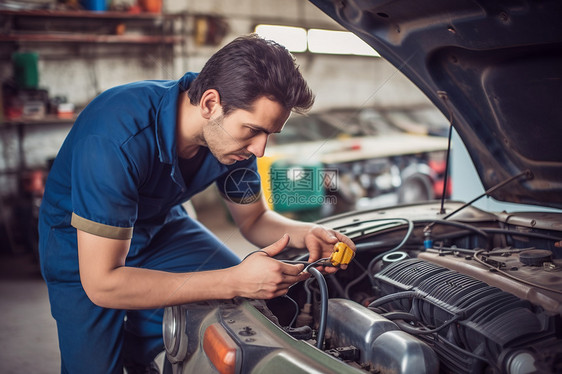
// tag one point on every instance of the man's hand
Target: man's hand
(320, 244)
(260, 276)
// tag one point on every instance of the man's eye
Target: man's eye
(254, 131)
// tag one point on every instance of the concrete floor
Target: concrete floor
(28, 332)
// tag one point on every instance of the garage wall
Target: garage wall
(80, 73)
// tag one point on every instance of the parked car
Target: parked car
(434, 287)
(356, 158)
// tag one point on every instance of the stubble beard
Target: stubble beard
(214, 136)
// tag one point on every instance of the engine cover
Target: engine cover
(491, 328)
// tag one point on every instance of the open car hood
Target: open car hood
(494, 67)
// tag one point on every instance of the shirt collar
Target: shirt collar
(166, 118)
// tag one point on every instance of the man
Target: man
(115, 243)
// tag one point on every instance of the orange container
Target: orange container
(151, 6)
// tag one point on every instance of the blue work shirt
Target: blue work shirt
(117, 175)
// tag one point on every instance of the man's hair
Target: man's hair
(248, 68)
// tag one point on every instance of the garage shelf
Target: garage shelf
(108, 27)
(81, 14)
(90, 38)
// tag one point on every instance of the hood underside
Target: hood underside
(494, 67)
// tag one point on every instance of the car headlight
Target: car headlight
(175, 339)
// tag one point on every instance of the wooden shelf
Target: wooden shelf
(90, 38)
(85, 14)
(49, 119)
(81, 26)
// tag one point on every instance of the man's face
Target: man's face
(242, 133)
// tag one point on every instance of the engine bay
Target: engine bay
(477, 293)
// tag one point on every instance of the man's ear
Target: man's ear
(210, 103)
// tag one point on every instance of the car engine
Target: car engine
(480, 293)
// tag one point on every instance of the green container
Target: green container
(296, 186)
(26, 72)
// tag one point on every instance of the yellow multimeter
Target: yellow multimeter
(342, 254)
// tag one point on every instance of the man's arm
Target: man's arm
(262, 226)
(111, 284)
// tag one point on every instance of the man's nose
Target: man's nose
(257, 146)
